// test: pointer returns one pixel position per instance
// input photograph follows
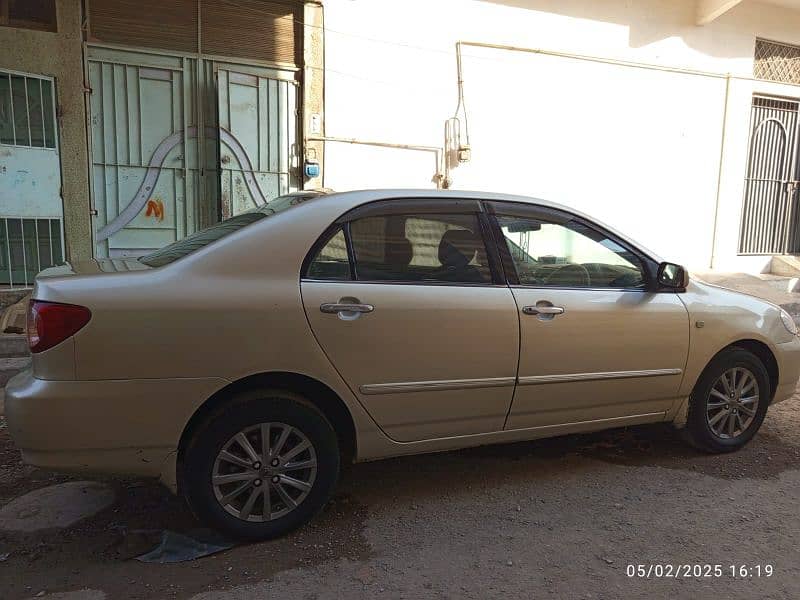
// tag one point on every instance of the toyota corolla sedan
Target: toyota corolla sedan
(243, 364)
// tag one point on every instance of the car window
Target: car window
(332, 261)
(568, 255)
(204, 237)
(421, 248)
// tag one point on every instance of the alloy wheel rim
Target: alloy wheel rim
(264, 472)
(732, 403)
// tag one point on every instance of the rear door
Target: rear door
(595, 345)
(406, 301)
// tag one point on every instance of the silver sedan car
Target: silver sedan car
(243, 364)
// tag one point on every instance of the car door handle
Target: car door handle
(336, 308)
(543, 310)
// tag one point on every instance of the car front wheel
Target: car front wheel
(261, 466)
(729, 402)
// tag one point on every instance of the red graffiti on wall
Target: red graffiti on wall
(155, 208)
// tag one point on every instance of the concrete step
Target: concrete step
(13, 346)
(15, 317)
(14, 357)
(10, 297)
(8, 368)
(786, 266)
(11, 366)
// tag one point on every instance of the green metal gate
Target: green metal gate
(180, 141)
(257, 125)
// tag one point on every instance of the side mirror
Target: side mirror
(672, 276)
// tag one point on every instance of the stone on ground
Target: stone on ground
(55, 507)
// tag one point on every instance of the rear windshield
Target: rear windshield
(204, 237)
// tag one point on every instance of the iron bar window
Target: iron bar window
(26, 247)
(26, 111)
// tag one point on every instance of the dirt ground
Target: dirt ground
(554, 518)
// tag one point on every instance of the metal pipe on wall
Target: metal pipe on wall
(719, 172)
(435, 150)
(585, 57)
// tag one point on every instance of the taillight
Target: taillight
(50, 323)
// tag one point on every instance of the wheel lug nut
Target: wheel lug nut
(275, 462)
(256, 465)
(257, 482)
(276, 479)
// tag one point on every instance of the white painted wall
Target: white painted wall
(637, 148)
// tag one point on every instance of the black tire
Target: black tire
(698, 432)
(246, 410)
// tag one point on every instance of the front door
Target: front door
(594, 344)
(179, 142)
(416, 321)
(770, 211)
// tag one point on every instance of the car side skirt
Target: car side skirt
(377, 448)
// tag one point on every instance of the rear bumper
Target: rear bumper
(123, 427)
(788, 357)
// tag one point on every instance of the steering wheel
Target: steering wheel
(577, 275)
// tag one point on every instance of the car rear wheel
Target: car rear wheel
(261, 466)
(729, 402)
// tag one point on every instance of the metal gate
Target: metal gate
(258, 136)
(770, 211)
(145, 174)
(178, 142)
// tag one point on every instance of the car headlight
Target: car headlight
(788, 322)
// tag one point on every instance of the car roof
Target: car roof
(411, 193)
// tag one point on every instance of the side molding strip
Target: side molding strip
(491, 382)
(432, 386)
(569, 377)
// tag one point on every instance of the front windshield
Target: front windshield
(204, 237)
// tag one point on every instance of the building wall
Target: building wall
(638, 148)
(59, 55)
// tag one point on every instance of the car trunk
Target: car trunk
(78, 285)
(96, 266)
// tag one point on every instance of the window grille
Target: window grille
(26, 247)
(777, 62)
(26, 111)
